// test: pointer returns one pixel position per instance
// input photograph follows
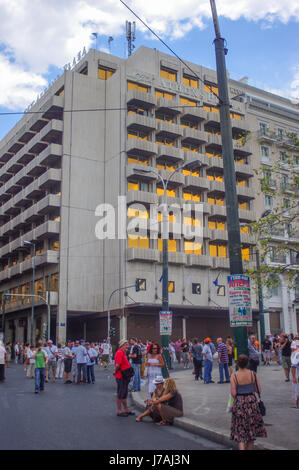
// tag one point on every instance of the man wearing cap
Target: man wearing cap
(52, 353)
(208, 362)
(122, 364)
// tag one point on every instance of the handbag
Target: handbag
(260, 402)
(127, 374)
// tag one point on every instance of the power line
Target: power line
(169, 48)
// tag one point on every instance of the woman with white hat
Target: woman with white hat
(150, 410)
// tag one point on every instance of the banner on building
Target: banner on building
(240, 311)
(165, 323)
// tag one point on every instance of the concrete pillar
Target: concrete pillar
(123, 327)
(184, 327)
(287, 326)
(60, 326)
(267, 323)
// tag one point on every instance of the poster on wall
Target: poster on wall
(165, 323)
(240, 311)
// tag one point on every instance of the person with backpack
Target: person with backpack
(197, 356)
(135, 356)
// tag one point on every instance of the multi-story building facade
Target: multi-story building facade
(85, 145)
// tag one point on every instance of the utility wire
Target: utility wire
(169, 48)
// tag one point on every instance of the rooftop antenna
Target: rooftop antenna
(110, 39)
(131, 35)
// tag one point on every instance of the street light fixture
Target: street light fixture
(33, 282)
(195, 163)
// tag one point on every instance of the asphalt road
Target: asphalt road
(71, 417)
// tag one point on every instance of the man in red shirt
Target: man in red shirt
(121, 364)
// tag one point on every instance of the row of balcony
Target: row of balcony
(50, 110)
(49, 202)
(34, 189)
(148, 198)
(45, 230)
(48, 257)
(146, 148)
(150, 255)
(174, 106)
(265, 135)
(26, 302)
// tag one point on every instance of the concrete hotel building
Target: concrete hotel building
(61, 163)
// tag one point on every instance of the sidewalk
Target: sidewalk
(205, 408)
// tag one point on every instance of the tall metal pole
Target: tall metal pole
(260, 295)
(233, 225)
(165, 293)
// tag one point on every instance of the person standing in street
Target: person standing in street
(60, 362)
(295, 371)
(286, 353)
(185, 353)
(267, 349)
(208, 362)
(52, 354)
(41, 359)
(31, 362)
(254, 358)
(68, 359)
(105, 346)
(178, 352)
(74, 347)
(135, 356)
(81, 360)
(223, 361)
(2, 361)
(17, 352)
(91, 360)
(197, 358)
(8, 354)
(247, 421)
(121, 365)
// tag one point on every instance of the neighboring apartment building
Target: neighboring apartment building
(96, 127)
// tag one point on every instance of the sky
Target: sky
(37, 38)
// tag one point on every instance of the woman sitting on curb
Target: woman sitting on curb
(170, 404)
(150, 409)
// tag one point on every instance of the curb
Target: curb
(205, 431)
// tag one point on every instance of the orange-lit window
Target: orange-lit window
(241, 160)
(245, 254)
(241, 182)
(137, 213)
(191, 221)
(190, 148)
(164, 141)
(133, 186)
(243, 205)
(168, 74)
(192, 248)
(134, 241)
(211, 88)
(192, 173)
(211, 109)
(105, 73)
(187, 102)
(54, 245)
(137, 86)
(216, 224)
(137, 135)
(171, 287)
(236, 116)
(191, 196)
(244, 229)
(171, 218)
(164, 117)
(165, 166)
(217, 250)
(190, 124)
(172, 245)
(169, 192)
(164, 94)
(137, 161)
(190, 81)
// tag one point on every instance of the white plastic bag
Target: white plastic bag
(230, 404)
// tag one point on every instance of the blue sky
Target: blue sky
(262, 39)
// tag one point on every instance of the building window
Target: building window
(192, 195)
(168, 74)
(171, 287)
(172, 245)
(165, 166)
(164, 117)
(105, 73)
(190, 147)
(165, 141)
(137, 86)
(237, 116)
(137, 160)
(137, 213)
(192, 248)
(39, 287)
(216, 200)
(265, 152)
(138, 186)
(211, 109)
(211, 88)
(189, 124)
(196, 289)
(134, 241)
(164, 94)
(169, 192)
(187, 102)
(137, 110)
(217, 250)
(54, 245)
(216, 225)
(269, 202)
(190, 81)
(246, 254)
(141, 284)
(132, 134)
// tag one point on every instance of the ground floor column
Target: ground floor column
(184, 327)
(123, 327)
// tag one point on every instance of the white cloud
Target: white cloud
(39, 34)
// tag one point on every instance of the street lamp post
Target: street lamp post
(165, 293)
(33, 283)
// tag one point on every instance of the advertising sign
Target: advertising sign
(240, 312)
(165, 323)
